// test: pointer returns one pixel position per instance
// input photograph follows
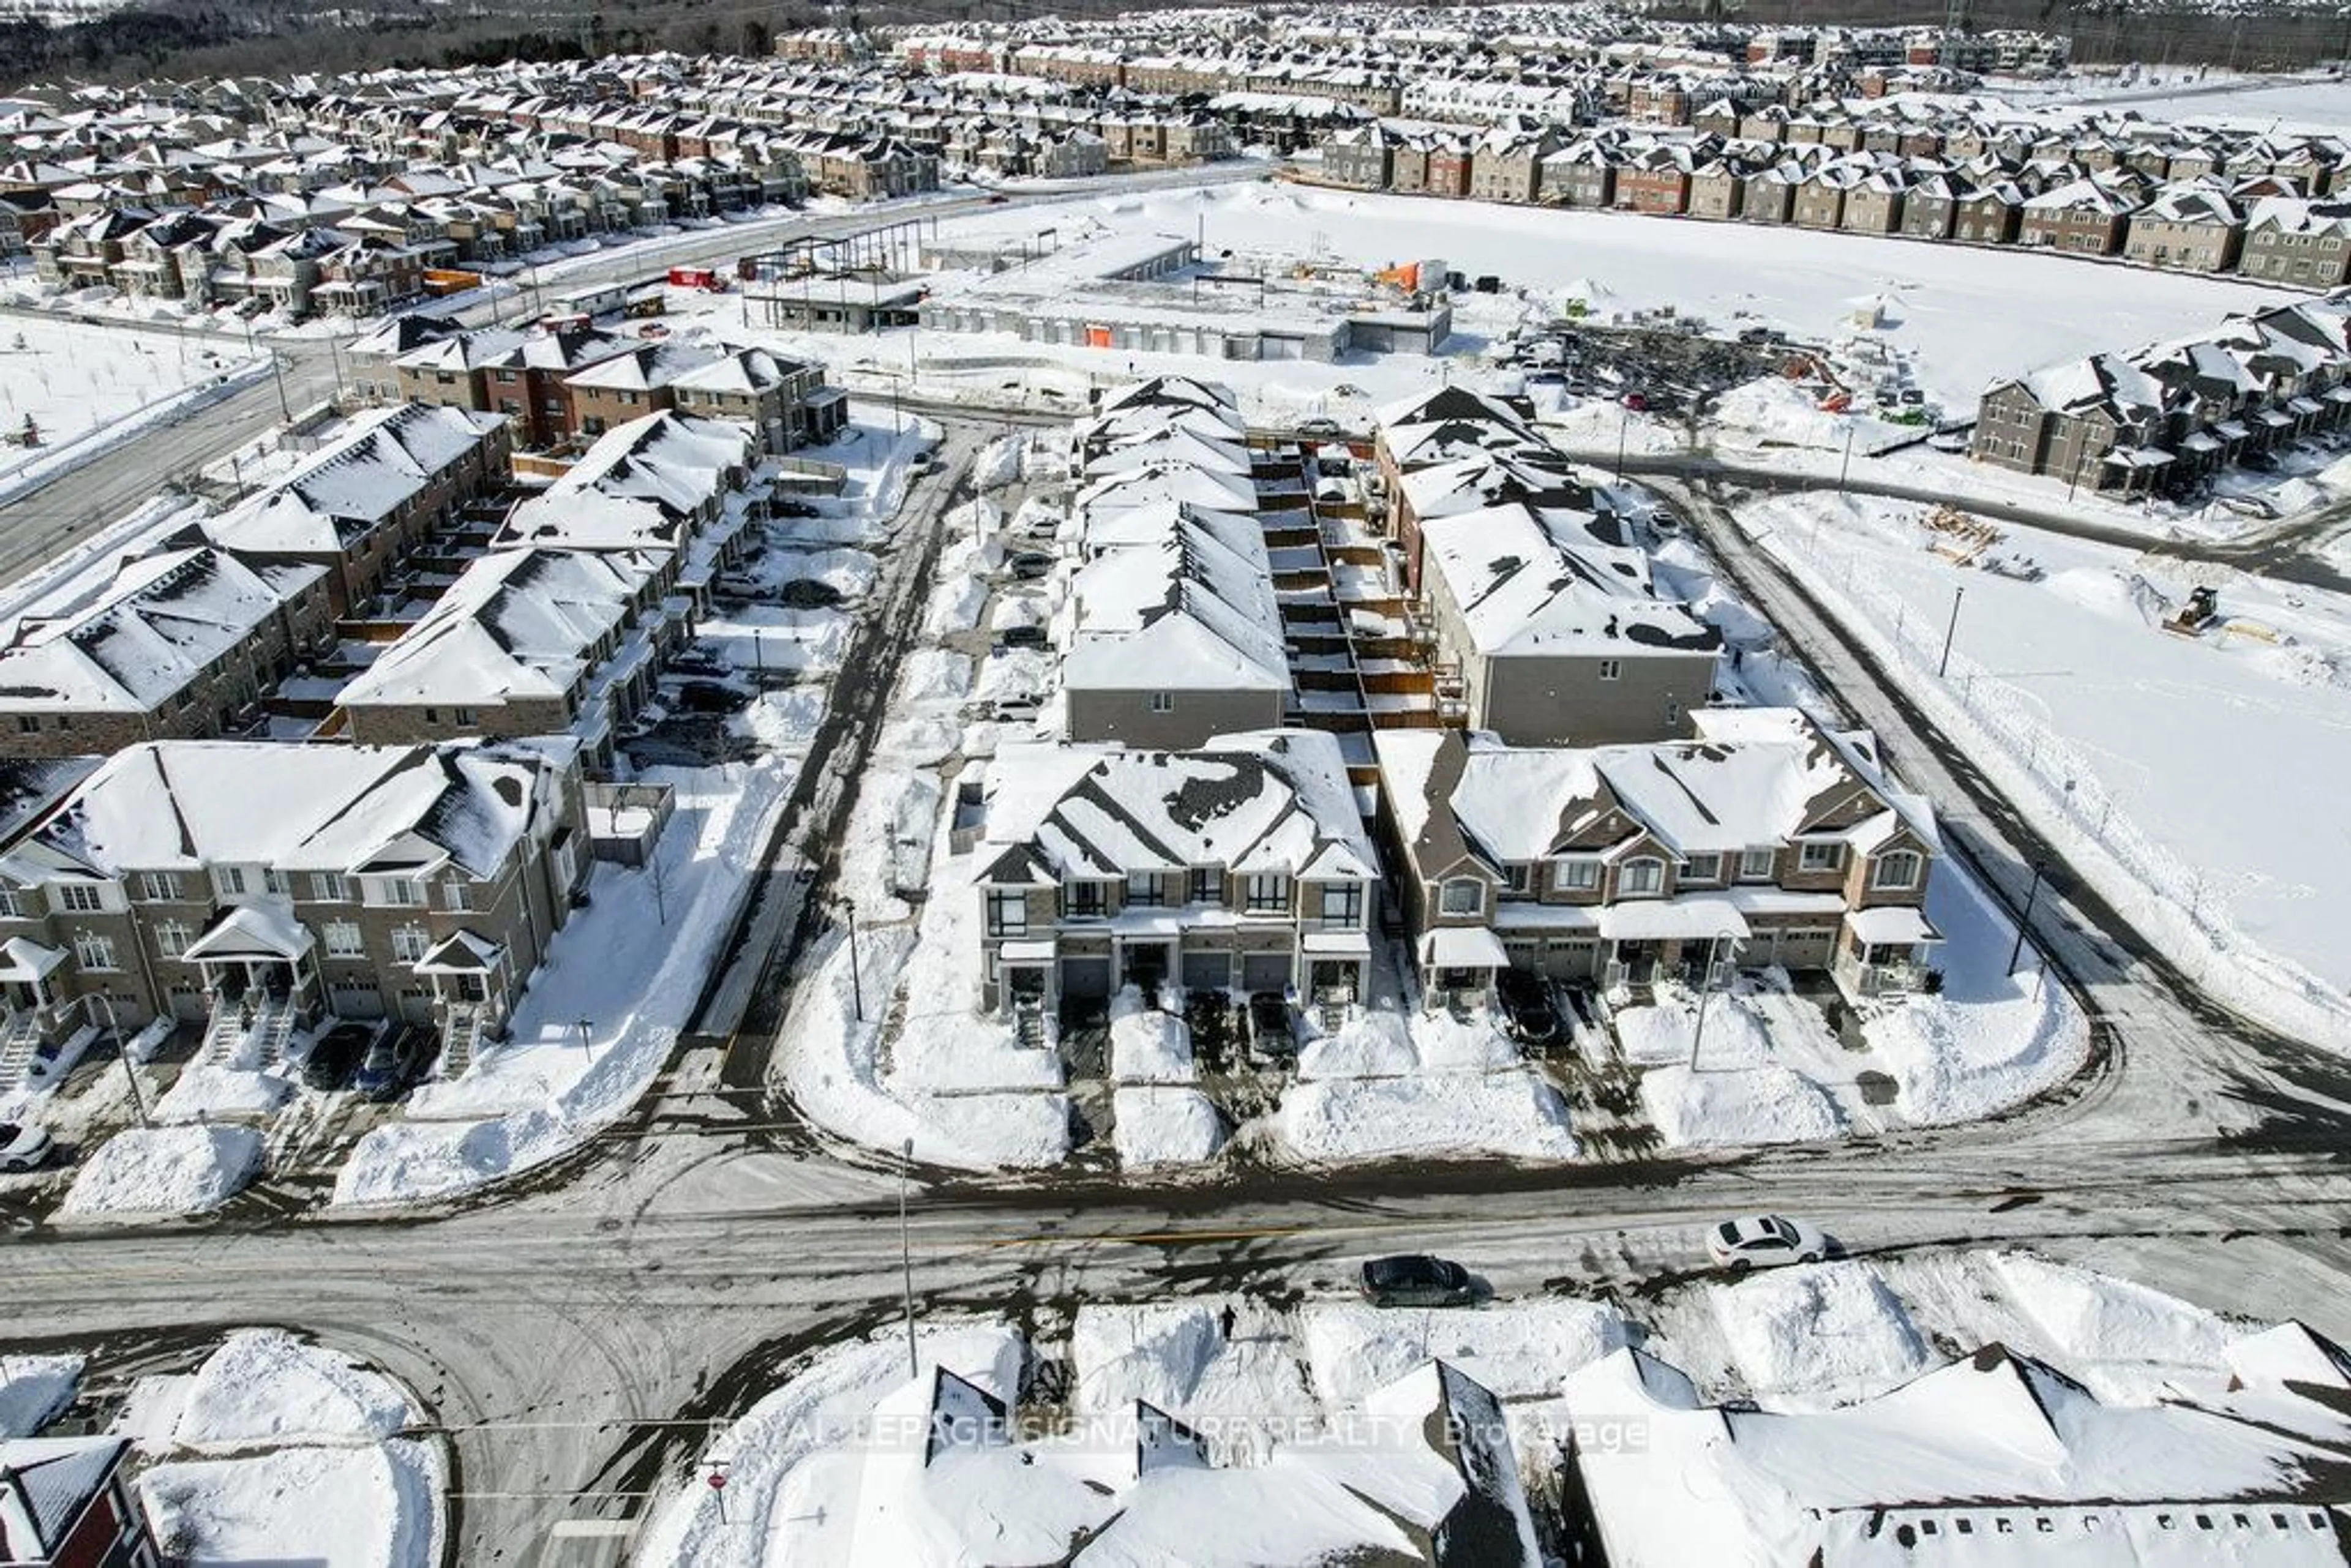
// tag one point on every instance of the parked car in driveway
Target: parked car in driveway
(1526, 1007)
(394, 1065)
(336, 1055)
(23, 1146)
(1272, 1035)
(1416, 1280)
(1029, 565)
(1027, 634)
(710, 696)
(1764, 1241)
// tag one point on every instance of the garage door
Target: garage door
(1207, 971)
(1807, 949)
(1088, 978)
(1571, 958)
(1265, 971)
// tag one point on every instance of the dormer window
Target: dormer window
(1462, 895)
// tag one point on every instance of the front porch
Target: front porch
(1882, 953)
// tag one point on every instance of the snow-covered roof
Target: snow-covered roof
(514, 623)
(329, 504)
(194, 804)
(156, 626)
(1546, 584)
(1192, 609)
(1274, 800)
(1753, 777)
(2014, 1449)
(637, 488)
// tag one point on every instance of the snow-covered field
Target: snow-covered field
(2256, 103)
(82, 388)
(2196, 769)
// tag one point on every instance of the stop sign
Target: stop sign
(717, 1481)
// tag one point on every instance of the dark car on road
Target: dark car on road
(1416, 1280)
(1526, 1005)
(394, 1065)
(331, 1061)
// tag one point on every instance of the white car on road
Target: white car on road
(23, 1148)
(1763, 1241)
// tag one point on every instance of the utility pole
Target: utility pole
(122, 1054)
(2025, 921)
(1845, 468)
(1951, 630)
(906, 1260)
(856, 976)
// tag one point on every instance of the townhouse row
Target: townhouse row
(1529, 774)
(2280, 212)
(2166, 417)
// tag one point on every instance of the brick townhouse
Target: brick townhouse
(1762, 840)
(179, 643)
(1243, 865)
(262, 886)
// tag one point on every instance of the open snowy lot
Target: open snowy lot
(2199, 769)
(80, 386)
(2256, 103)
(1967, 314)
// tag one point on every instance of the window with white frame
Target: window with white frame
(80, 898)
(1576, 873)
(1266, 892)
(1821, 857)
(343, 939)
(161, 887)
(401, 892)
(1644, 877)
(1343, 904)
(173, 936)
(329, 887)
(1757, 864)
(1162, 702)
(457, 894)
(93, 951)
(1007, 912)
(11, 906)
(1461, 896)
(1897, 871)
(273, 881)
(1518, 876)
(410, 944)
(1703, 868)
(1146, 889)
(229, 880)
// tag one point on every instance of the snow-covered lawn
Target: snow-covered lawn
(1768, 1068)
(2119, 739)
(184, 1169)
(2255, 103)
(280, 1451)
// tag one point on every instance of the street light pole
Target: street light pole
(122, 1054)
(856, 976)
(2025, 921)
(906, 1259)
(586, 1027)
(1950, 632)
(1846, 467)
(278, 374)
(1624, 419)
(1705, 990)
